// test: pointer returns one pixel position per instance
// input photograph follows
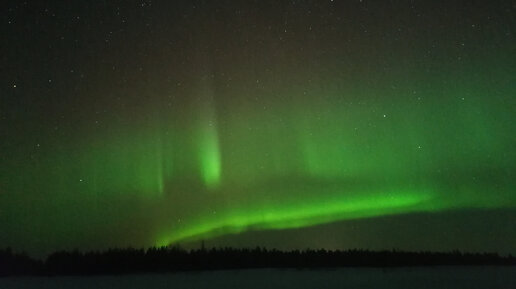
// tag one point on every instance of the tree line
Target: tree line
(173, 259)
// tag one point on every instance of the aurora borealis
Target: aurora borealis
(157, 123)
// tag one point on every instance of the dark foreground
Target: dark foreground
(443, 277)
(166, 260)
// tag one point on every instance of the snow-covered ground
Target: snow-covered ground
(399, 278)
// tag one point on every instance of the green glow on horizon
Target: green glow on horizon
(299, 214)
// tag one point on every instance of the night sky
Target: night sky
(288, 124)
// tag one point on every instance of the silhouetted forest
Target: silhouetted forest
(171, 259)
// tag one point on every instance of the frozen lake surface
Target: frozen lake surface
(399, 278)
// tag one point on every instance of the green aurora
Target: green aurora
(265, 138)
(297, 167)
